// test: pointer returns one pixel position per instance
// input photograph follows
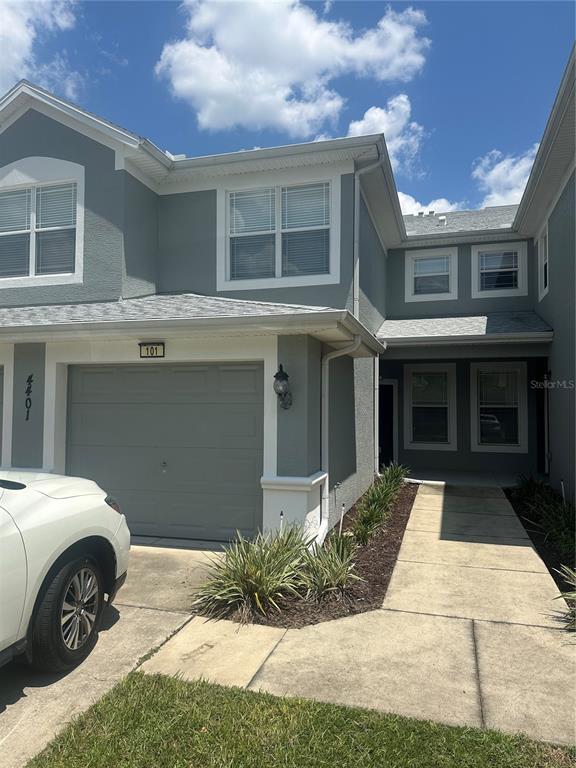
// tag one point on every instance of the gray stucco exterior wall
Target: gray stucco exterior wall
(35, 135)
(299, 426)
(372, 273)
(557, 307)
(140, 238)
(396, 307)
(187, 252)
(28, 406)
(351, 431)
(464, 459)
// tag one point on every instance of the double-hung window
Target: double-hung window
(499, 270)
(38, 230)
(543, 268)
(279, 235)
(431, 275)
(430, 406)
(499, 415)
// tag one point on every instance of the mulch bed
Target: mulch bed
(374, 564)
(547, 552)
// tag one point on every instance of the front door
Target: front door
(387, 422)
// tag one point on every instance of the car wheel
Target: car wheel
(67, 621)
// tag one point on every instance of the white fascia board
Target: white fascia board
(501, 338)
(461, 238)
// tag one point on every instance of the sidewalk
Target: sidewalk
(467, 634)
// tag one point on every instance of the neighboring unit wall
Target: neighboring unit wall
(397, 307)
(372, 273)
(35, 135)
(28, 405)
(351, 431)
(557, 308)
(187, 252)
(463, 459)
(140, 238)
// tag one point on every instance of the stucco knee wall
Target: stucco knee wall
(351, 461)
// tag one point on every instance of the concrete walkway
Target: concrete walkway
(154, 603)
(467, 634)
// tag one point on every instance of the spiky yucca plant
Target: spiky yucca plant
(254, 576)
(569, 576)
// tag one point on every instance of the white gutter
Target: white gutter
(499, 338)
(325, 432)
(356, 250)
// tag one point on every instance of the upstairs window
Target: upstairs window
(280, 236)
(38, 230)
(543, 268)
(431, 275)
(499, 270)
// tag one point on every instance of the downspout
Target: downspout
(356, 251)
(325, 432)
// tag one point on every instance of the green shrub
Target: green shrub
(546, 510)
(375, 507)
(329, 570)
(569, 576)
(254, 576)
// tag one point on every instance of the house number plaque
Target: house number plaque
(151, 348)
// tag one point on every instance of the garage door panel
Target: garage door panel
(141, 383)
(165, 424)
(183, 460)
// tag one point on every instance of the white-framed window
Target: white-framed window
(41, 222)
(499, 270)
(430, 407)
(431, 275)
(279, 234)
(543, 263)
(499, 412)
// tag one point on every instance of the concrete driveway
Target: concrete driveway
(153, 604)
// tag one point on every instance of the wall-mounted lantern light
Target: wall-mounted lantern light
(282, 388)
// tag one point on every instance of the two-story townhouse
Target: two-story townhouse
(479, 374)
(151, 304)
(148, 302)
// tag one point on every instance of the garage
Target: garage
(179, 446)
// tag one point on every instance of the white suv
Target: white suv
(64, 545)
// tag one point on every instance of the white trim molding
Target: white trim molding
(450, 370)
(522, 407)
(522, 288)
(410, 259)
(277, 179)
(33, 172)
(7, 364)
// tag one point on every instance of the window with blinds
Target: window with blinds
(38, 231)
(277, 232)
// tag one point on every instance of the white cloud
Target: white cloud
(22, 26)
(270, 64)
(403, 136)
(503, 177)
(409, 205)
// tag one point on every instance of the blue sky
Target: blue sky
(462, 90)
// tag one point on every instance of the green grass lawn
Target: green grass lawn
(161, 722)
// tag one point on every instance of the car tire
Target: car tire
(68, 618)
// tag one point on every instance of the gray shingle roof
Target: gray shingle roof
(488, 326)
(157, 307)
(496, 217)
